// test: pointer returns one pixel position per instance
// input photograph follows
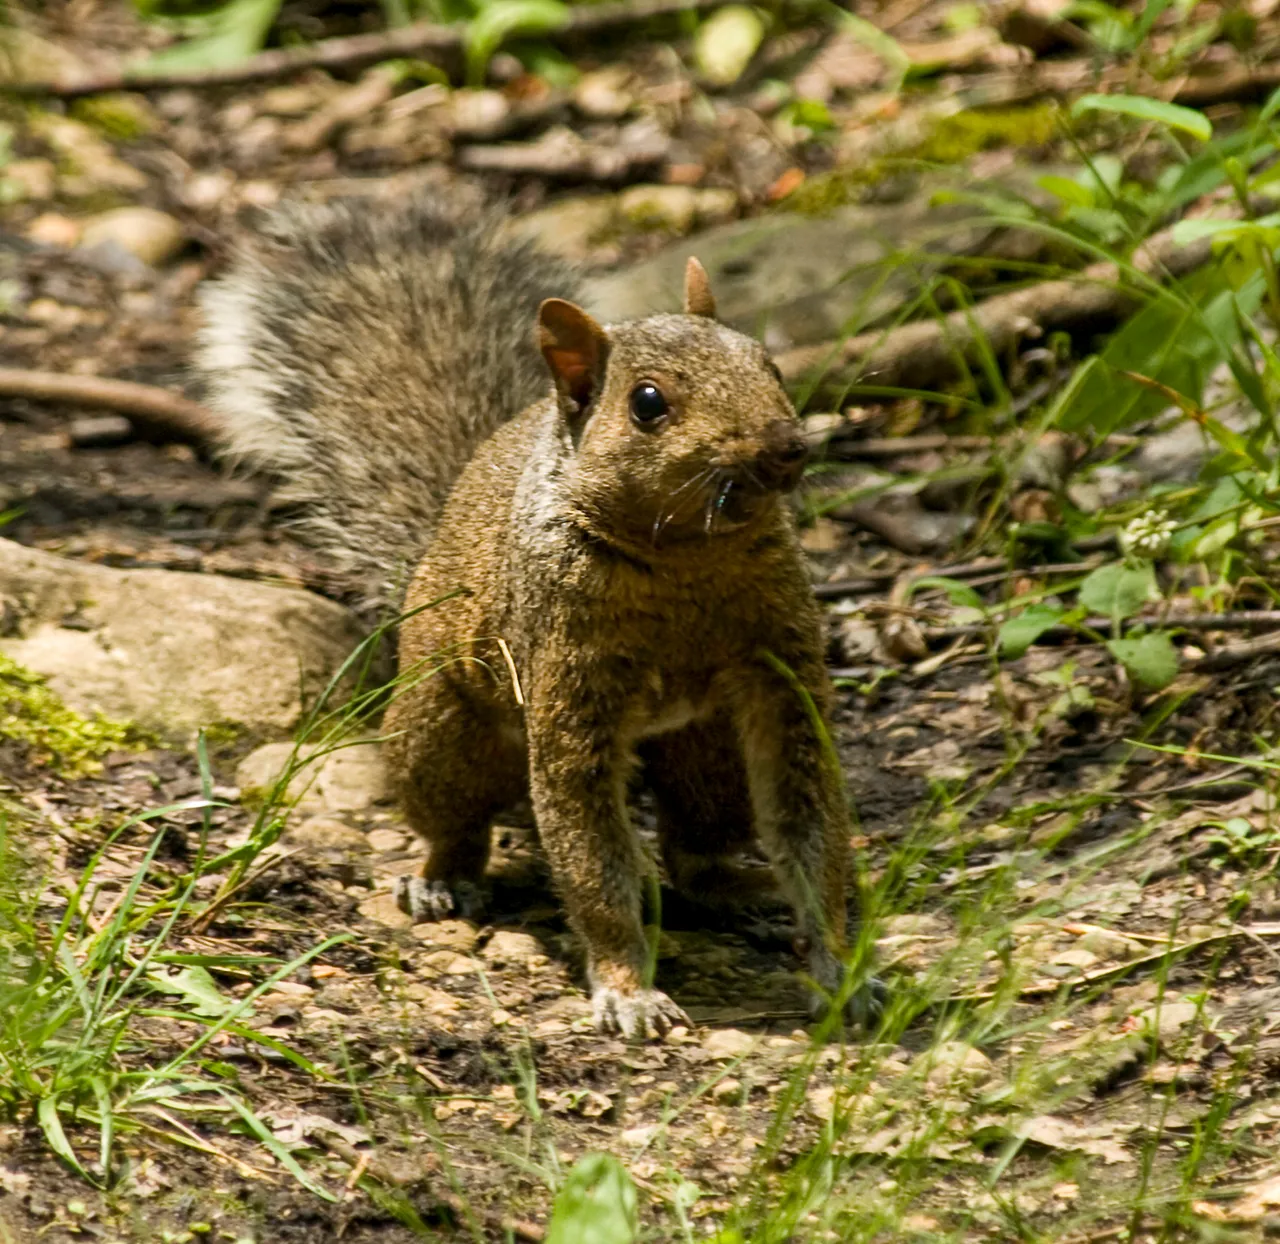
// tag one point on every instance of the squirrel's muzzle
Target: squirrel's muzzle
(780, 462)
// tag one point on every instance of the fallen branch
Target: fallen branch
(1046, 988)
(1244, 620)
(147, 403)
(442, 45)
(956, 570)
(925, 352)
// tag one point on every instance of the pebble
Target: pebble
(152, 236)
(387, 840)
(727, 1043)
(31, 179)
(382, 909)
(1167, 1020)
(326, 835)
(53, 229)
(455, 935)
(507, 948)
(958, 1061)
(674, 208)
(728, 1092)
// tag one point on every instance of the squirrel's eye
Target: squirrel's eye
(647, 403)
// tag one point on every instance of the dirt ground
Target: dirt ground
(1085, 955)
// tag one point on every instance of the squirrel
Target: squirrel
(607, 571)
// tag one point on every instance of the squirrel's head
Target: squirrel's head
(680, 425)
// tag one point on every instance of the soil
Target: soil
(446, 1075)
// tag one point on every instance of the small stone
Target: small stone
(30, 179)
(325, 835)
(1168, 1020)
(510, 949)
(383, 909)
(1076, 957)
(728, 1092)
(728, 1043)
(954, 1061)
(456, 935)
(1107, 945)
(153, 237)
(603, 94)
(714, 206)
(671, 208)
(448, 963)
(52, 229)
(387, 840)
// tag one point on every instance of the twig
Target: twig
(146, 402)
(1042, 988)
(1245, 620)
(876, 579)
(925, 352)
(1237, 654)
(841, 445)
(427, 41)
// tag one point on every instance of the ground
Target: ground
(1066, 872)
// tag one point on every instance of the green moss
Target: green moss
(952, 140)
(120, 117)
(55, 735)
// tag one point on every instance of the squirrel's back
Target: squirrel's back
(362, 352)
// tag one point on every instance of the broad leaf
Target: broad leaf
(238, 31)
(1118, 591)
(597, 1204)
(196, 985)
(1151, 661)
(1173, 115)
(1018, 633)
(499, 20)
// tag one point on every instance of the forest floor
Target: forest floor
(1069, 878)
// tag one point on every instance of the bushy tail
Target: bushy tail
(362, 351)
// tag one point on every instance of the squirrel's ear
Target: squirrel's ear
(698, 298)
(575, 348)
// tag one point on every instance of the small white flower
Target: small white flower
(1148, 535)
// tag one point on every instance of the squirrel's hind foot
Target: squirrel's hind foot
(644, 1013)
(426, 900)
(863, 1007)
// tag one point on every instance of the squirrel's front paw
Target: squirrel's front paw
(863, 1007)
(640, 1013)
(424, 900)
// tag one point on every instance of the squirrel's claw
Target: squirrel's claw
(645, 1013)
(862, 1008)
(424, 900)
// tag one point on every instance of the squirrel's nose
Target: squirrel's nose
(780, 462)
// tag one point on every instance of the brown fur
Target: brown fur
(633, 574)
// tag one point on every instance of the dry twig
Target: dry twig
(428, 41)
(145, 402)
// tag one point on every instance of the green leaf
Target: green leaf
(1018, 633)
(1067, 190)
(597, 1204)
(238, 31)
(1118, 591)
(196, 985)
(1173, 115)
(499, 20)
(1151, 661)
(726, 42)
(958, 592)
(51, 1126)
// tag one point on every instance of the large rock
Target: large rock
(794, 279)
(167, 650)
